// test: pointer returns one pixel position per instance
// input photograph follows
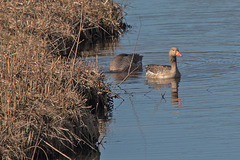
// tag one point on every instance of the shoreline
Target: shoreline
(50, 102)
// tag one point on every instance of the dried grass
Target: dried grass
(46, 100)
(57, 24)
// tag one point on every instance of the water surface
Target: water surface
(199, 120)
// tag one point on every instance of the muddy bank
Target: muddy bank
(50, 102)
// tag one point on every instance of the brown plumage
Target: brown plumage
(165, 71)
(122, 62)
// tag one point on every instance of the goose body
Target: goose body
(165, 71)
(122, 62)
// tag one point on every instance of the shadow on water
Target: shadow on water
(85, 49)
(164, 83)
(91, 49)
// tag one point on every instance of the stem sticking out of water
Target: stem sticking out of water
(130, 66)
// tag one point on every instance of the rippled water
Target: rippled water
(200, 120)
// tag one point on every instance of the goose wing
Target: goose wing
(153, 68)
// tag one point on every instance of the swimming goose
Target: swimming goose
(165, 71)
(122, 62)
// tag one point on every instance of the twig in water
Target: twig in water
(147, 93)
(127, 76)
(209, 90)
(119, 103)
(135, 45)
(130, 66)
(163, 98)
(100, 143)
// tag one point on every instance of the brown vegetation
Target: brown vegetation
(46, 100)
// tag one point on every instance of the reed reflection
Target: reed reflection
(163, 83)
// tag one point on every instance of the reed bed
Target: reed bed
(49, 103)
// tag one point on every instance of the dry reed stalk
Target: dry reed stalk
(43, 97)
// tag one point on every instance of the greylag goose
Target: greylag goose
(165, 71)
(122, 62)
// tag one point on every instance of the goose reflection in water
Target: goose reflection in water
(163, 83)
(123, 75)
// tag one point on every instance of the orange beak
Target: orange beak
(178, 53)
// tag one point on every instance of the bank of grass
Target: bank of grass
(49, 102)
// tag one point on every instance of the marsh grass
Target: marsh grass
(59, 25)
(48, 102)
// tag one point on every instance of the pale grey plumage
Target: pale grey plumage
(165, 71)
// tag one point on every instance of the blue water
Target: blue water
(202, 119)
